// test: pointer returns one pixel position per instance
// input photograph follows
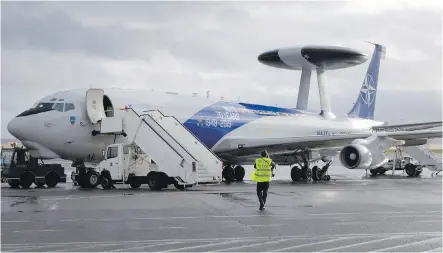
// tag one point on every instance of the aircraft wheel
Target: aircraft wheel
(296, 173)
(326, 177)
(228, 174)
(316, 173)
(26, 180)
(410, 169)
(51, 179)
(239, 173)
(14, 183)
(381, 171)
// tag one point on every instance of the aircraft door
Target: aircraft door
(94, 105)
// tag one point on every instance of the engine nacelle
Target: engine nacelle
(366, 153)
(356, 156)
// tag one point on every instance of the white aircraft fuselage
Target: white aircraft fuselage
(67, 134)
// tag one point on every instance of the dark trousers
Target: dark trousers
(262, 191)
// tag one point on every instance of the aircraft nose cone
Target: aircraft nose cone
(15, 128)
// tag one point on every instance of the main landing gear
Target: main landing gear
(233, 173)
(302, 171)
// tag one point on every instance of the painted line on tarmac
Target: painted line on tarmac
(362, 243)
(408, 244)
(438, 233)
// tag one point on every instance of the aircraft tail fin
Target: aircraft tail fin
(364, 107)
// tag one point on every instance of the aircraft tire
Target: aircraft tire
(316, 173)
(381, 171)
(239, 173)
(326, 178)
(296, 173)
(228, 174)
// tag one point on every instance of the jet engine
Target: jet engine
(366, 153)
(356, 156)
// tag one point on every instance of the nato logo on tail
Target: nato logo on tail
(364, 107)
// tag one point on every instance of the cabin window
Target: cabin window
(69, 107)
(125, 150)
(59, 107)
(112, 152)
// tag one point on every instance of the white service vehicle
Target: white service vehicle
(128, 164)
(411, 166)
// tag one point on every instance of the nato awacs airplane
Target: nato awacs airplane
(67, 124)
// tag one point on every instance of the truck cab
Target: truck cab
(126, 164)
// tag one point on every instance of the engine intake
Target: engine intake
(355, 156)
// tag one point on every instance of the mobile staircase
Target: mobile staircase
(177, 152)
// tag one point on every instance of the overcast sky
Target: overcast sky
(197, 46)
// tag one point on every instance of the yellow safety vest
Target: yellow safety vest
(263, 172)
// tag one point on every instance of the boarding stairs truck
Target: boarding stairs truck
(425, 157)
(158, 150)
(419, 157)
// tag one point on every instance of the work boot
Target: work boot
(262, 206)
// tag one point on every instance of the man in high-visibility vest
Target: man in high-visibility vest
(262, 176)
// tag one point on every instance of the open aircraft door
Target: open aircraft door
(94, 105)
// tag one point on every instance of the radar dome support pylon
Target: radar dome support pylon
(309, 58)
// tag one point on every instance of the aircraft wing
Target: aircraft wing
(237, 147)
(408, 127)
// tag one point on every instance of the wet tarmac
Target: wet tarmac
(349, 213)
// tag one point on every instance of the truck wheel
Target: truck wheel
(51, 179)
(92, 179)
(26, 180)
(374, 172)
(135, 184)
(14, 183)
(411, 169)
(155, 182)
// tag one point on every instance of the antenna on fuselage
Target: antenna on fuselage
(309, 58)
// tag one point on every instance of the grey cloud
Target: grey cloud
(58, 45)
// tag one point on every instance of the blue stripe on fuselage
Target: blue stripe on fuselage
(215, 121)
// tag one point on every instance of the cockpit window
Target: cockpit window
(69, 107)
(41, 107)
(44, 106)
(59, 107)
